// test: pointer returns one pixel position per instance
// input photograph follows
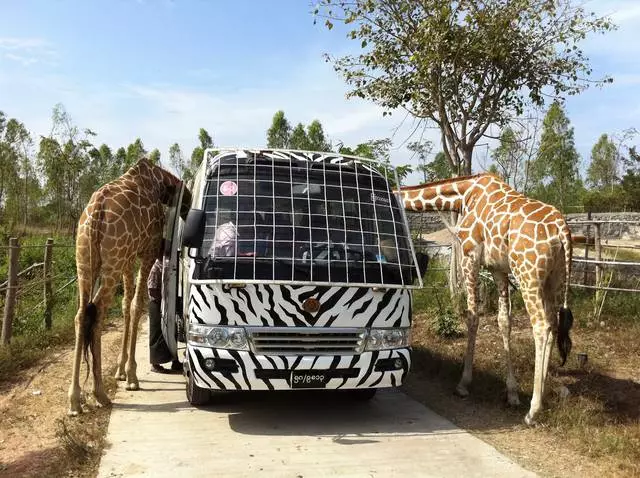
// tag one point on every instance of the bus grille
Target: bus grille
(306, 341)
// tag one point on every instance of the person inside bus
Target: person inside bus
(247, 240)
(159, 352)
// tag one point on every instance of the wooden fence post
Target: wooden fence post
(12, 284)
(585, 279)
(48, 294)
(598, 245)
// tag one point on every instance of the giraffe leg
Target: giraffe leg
(102, 300)
(543, 333)
(504, 322)
(137, 309)
(86, 277)
(128, 285)
(74, 389)
(470, 269)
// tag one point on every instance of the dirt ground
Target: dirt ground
(37, 439)
(595, 431)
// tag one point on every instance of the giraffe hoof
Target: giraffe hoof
(513, 400)
(461, 391)
(73, 413)
(102, 400)
(133, 386)
(528, 419)
(121, 377)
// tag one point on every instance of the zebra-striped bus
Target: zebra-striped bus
(293, 269)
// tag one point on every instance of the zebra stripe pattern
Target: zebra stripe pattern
(268, 372)
(281, 306)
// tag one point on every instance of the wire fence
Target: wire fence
(30, 290)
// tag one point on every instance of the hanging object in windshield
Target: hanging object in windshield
(301, 218)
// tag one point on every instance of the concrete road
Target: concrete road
(155, 432)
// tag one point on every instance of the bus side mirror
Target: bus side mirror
(193, 233)
(422, 262)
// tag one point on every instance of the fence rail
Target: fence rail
(14, 291)
(593, 242)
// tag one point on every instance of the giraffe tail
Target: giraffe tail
(88, 326)
(565, 317)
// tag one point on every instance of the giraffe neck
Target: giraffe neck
(449, 195)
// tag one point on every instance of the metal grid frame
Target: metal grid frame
(346, 174)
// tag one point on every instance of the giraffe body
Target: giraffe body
(503, 230)
(122, 223)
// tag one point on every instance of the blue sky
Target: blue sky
(161, 69)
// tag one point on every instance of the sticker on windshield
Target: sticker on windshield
(228, 188)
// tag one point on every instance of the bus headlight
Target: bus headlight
(218, 337)
(384, 339)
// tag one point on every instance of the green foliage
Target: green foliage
(602, 172)
(631, 180)
(311, 138)
(438, 168)
(510, 158)
(435, 170)
(316, 138)
(134, 152)
(554, 172)
(197, 155)
(279, 134)
(463, 65)
(298, 138)
(606, 200)
(154, 156)
(379, 150)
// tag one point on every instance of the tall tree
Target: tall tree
(554, 171)
(176, 159)
(464, 65)
(197, 155)
(380, 151)
(298, 138)
(134, 152)
(154, 156)
(278, 135)
(316, 137)
(119, 162)
(602, 170)
(64, 159)
(631, 179)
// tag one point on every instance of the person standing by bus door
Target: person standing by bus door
(159, 353)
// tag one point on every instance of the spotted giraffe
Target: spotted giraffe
(122, 223)
(505, 231)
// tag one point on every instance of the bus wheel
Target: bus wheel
(196, 395)
(363, 394)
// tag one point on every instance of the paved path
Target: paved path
(155, 432)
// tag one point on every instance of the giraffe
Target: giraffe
(505, 231)
(122, 223)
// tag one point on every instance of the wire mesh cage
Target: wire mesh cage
(292, 217)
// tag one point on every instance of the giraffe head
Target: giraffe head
(160, 183)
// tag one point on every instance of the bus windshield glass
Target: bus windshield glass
(299, 220)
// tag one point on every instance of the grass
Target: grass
(600, 419)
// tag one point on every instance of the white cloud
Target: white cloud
(27, 51)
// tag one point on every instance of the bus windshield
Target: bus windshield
(295, 220)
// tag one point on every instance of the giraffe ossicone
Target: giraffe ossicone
(507, 232)
(121, 224)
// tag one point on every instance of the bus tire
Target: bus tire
(196, 395)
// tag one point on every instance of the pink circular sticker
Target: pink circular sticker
(229, 188)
